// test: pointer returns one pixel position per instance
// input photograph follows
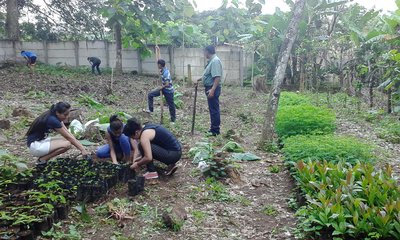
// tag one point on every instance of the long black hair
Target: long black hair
(40, 122)
(115, 123)
(132, 126)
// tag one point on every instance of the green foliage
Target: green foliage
(216, 191)
(389, 129)
(233, 147)
(327, 147)
(178, 99)
(90, 102)
(270, 210)
(348, 201)
(304, 119)
(274, 169)
(292, 99)
(57, 233)
(11, 168)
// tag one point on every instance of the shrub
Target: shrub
(327, 147)
(348, 202)
(292, 99)
(304, 119)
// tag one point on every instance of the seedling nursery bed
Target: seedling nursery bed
(35, 201)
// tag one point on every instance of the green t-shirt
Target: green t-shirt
(212, 70)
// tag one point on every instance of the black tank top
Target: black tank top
(164, 138)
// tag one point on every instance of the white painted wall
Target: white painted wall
(177, 59)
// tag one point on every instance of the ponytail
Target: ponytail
(40, 122)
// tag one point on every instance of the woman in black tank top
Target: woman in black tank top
(155, 143)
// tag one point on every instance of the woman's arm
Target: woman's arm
(136, 153)
(69, 137)
(112, 149)
(145, 142)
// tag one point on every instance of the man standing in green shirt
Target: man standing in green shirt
(212, 83)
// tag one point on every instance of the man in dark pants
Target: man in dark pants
(167, 90)
(95, 62)
(212, 84)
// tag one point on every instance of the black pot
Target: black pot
(26, 235)
(41, 226)
(135, 186)
(62, 211)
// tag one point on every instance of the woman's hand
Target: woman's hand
(135, 166)
(84, 152)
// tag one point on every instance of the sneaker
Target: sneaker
(171, 169)
(147, 110)
(41, 163)
(150, 175)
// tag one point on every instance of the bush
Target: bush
(292, 99)
(327, 147)
(303, 120)
(348, 202)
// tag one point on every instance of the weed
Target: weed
(270, 210)
(275, 169)
(36, 94)
(199, 216)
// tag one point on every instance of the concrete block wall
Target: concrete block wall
(75, 53)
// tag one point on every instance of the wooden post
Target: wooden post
(194, 108)
(162, 108)
(189, 74)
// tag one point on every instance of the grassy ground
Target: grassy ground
(257, 207)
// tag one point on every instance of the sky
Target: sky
(271, 5)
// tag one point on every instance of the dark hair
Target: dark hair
(210, 49)
(115, 123)
(22, 52)
(132, 126)
(161, 62)
(40, 122)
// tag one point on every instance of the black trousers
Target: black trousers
(97, 66)
(160, 154)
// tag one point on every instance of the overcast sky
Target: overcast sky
(386, 5)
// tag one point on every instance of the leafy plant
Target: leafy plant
(57, 233)
(293, 99)
(348, 201)
(233, 147)
(327, 147)
(304, 119)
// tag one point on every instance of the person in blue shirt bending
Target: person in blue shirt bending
(118, 145)
(167, 90)
(30, 58)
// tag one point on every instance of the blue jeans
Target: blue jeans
(123, 147)
(169, 97)
(213, 106)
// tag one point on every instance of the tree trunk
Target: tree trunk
(268, 132)
(118, 43)
(12, 25)
(371, 91)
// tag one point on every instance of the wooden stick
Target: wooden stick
(194, 108)
(162, 107)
